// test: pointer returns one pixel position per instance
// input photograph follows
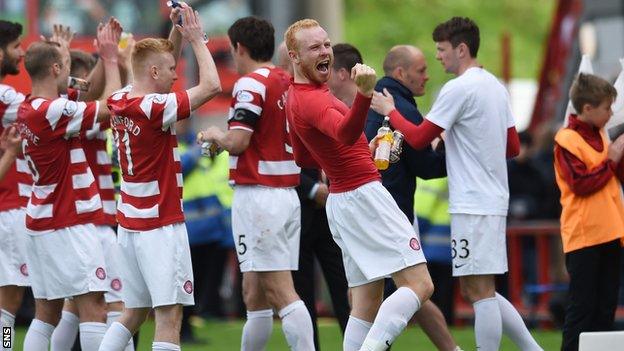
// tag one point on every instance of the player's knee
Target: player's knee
(91, 307)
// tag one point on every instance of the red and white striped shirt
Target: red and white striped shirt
(151, 186)
(64, 191)
(268, 160)
(15, 187)
(94, 145)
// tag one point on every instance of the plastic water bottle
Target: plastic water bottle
(384, 144)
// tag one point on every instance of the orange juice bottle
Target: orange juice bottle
(382, 153)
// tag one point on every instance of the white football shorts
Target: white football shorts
(266, 224)
(478, 244)
(13, 268)
(108, 238)
(375, 237)
(66, 262)
(157, 268)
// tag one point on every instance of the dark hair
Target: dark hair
(256, 34)
(81, 60)
(40, 56)
(590, 89)
(346, 56)
(525, 138)
(459, 30)
(9, 31)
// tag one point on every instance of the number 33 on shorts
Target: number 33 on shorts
(459, 252)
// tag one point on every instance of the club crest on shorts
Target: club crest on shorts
(188, 287)
(414, 244)
(100, 273)
(24, 269)
(116, 284)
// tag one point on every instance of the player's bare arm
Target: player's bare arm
(96, 77)
(107, 43)
(174, 35)
(209, 84)
(234, 141)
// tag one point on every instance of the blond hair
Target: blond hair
(143, 49)
(590, 89)
(289, 36)
(40, 56)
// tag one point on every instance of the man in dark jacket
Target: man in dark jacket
(405, 72)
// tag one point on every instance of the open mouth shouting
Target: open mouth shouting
(323, 66)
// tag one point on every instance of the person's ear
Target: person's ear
(294, 56)
(154, 72)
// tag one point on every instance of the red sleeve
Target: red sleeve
(417, 136)
(302, 155)
(582, 181)
(513, 142)
(348, 128)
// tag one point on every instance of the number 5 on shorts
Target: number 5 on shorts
(242, 248)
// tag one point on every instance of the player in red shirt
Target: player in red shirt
(64, 256)
(376, 238)
(14, 186)
(152, 234)
(266, 212)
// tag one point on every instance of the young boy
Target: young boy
(589, 173)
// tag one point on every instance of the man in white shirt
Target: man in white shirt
(474, 111)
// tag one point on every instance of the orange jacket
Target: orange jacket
(594, 219)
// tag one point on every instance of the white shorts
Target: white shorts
(376, 238)
(108, 239)
(66, 262)
(13, 268)
(157, 268)
(478, 244)
(266, 224)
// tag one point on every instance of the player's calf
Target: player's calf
(168, 322)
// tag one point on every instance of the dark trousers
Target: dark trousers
(592, 295)
(317, 242)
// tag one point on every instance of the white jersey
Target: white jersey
(474, 110)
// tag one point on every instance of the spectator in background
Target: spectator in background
(405, 70)
(589, 174)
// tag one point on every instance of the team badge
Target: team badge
(188, 287)
(24, 269)
(116, 284)
(159, 98)
(414, 244)
(70, 108)
(244, 96)
(100, 273)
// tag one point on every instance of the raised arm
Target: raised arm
(174, 35)
(108, 40)
(347, 129)
(209, 84)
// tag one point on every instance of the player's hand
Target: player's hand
(108, 40)
(210, 135)
(174, 15)
(382, 103)
(322, 192)
(10, 141)
(616, 149)
(61, 35)
(364, 77)
(191, 28)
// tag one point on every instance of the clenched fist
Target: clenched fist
(365, 78)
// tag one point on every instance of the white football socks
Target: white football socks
(488, 326)
(164, 346)
(91, 335)
(116, 338)
(297, 326)
(355, 333)
(112, 317)
(64, 335)
(514, 327)
(391, 319)
(38, 336)
(8, 320)
(257, 330)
